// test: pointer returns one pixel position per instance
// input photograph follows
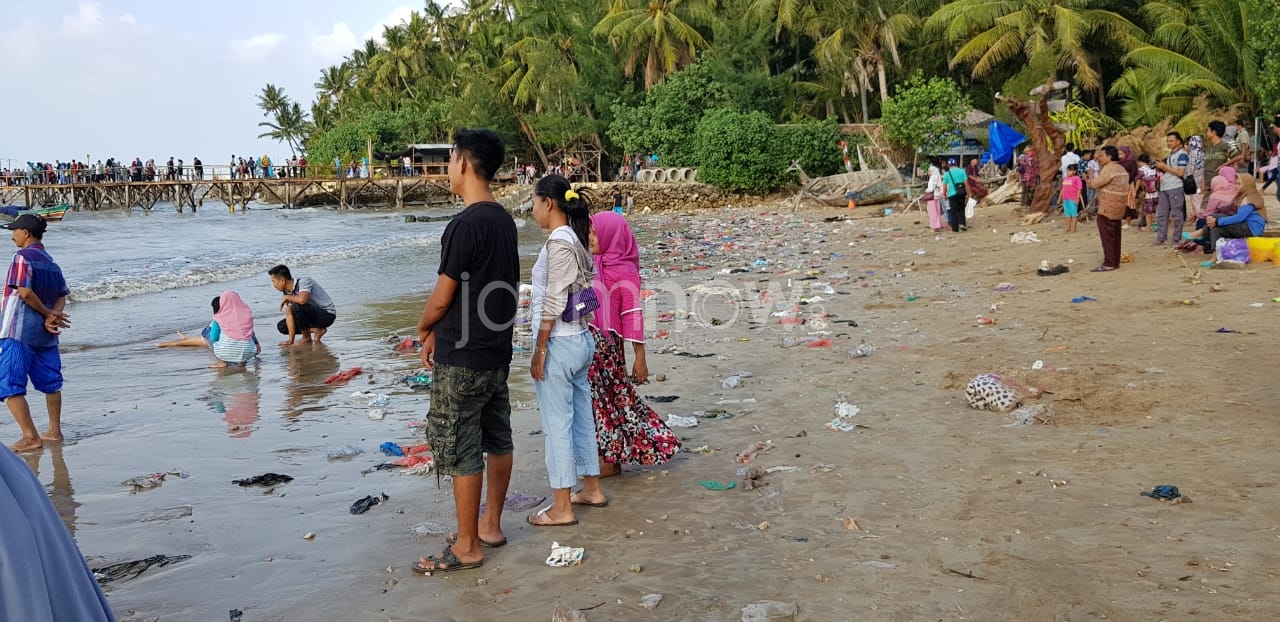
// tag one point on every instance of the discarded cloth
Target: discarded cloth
(129, 570)
(144, 482)
(391, 449)
(1163, 492)
(994, 392)
(419, 382)
(362, 505)
(266, 479)
(713, 485)
(518, 502)
(562, 556)
(344, 375)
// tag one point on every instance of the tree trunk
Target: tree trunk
(1047, 142)
(884, 83)
(866, 115)
(533, 140)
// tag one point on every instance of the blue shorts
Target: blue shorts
(1070, 208)
(19, 361)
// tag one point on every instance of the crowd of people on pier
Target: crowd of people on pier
(111, 171)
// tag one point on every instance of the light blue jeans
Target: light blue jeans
(564, 399)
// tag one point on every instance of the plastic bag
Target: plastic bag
(1233, 249)
(968, 207)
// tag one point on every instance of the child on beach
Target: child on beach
(1071, 188)
(1149, 184)
(230, 335)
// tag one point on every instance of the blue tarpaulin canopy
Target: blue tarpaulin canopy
(1004, 141)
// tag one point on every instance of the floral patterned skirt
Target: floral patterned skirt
(628, 430)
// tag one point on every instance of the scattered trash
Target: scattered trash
(1030, 415)
(128, 570)
(377, 414)
(842, 426)
(1037, 365)
(819, 343)
(517, 502)
(986, 321)
(344, 375)
(1045, 270)
(428, 528)
(845, 410)
(650, 601)
(753, 450)
(676, 421)
(718, 414)
(375, 399)
(875, 563)
(562, 556)
(861, 351)
(661, 399)
(391, 449)
(266, 479)
(1024, 237)
(362, 505)
(713, 485)
(993, 392)
(419, 382)
(822, 468)
(1226, 330)
(236, 615)
(850, 524)
(308, 536)
(1082, 299)
(1163, 492)
(346, 451)
(770, 611)
(144, 482)
(565, 614)
(1005, 287)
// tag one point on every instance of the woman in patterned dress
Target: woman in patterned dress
(629, 431)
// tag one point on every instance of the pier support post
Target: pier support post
(399, 193)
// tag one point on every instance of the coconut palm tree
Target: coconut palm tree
(995, 34)
(333, 83)
(665, 35)
(1197, 47)
(289, 125)
(397, 66)
(272, 99)
(863, 38)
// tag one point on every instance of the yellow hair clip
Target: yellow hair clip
(570, 195)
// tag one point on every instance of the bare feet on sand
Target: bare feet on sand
(318, 333)
(26, 444)
(52, 436)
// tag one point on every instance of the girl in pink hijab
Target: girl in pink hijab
(628, 430)
(1220, 202)
(230, 335)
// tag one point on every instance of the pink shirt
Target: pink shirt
(1071, 186)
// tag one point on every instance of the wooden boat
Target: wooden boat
(863, 187)
(52, 213)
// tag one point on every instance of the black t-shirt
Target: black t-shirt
(478, 250)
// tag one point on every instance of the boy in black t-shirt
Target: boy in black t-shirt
(466, 331)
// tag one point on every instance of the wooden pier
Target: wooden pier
(349, 193)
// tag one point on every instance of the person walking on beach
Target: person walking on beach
(933, 196)
(31, 319)
(1112, 184)
(308, 310)
(466, 331)
(563, 351)
(957, 195)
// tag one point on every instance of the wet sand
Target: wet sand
(958, 517)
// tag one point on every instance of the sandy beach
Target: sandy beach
(928, 510)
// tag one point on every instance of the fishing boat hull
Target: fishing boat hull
(862, 187)
(52, 214)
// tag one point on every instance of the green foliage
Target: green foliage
(1090, 125)
(739, 152)
(815, 144)
(1263, 35)
(389, 130)
(924, 113)
(668, 116)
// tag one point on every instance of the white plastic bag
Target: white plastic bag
(968, 207)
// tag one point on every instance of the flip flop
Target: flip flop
(602, 504)
(1102, 269)
(450, 560)
(452, 539)
(543, 513)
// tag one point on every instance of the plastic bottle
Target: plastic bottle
(346, 451)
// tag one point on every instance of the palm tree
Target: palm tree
(861, 37)
(995, 34)
(289, 125)
(334, 82)
(1197, 47)
(399, 63)
(272, 99)
(666, 34)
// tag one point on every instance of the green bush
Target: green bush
(923, 114)
(390, 131)
(816, 144)
(739, 152)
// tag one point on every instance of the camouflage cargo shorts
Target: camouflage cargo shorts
(470, 416)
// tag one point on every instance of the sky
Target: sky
(88, 80)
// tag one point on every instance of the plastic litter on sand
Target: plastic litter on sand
(676, 421)
(562, 556)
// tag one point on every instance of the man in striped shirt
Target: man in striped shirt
(31, 318)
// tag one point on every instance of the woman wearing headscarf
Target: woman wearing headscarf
(1195, 149)
(230, 335)
(45, 578)
(935, 192)
(977, 189)
(628, 430)
(1130, 166)
(1249, 219)
(1114, 191)
(563, 351)
(1219, 202)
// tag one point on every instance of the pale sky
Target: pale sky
(125, 78)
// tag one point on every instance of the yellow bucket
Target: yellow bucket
(1262, 249)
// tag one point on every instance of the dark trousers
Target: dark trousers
(1109, 231)
(305, 318)
(1238, 230)
(955, 211)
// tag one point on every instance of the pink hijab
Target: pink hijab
(1222, 192)
(234, 317)
(617, 277)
